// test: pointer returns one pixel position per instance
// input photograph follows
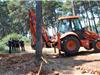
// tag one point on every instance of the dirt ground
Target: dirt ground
(84, 63)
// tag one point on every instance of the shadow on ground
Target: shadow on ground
(64, 65)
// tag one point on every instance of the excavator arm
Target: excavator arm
(32, 19)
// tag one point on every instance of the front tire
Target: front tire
(71, 45)
(96, 45)
(90, 47)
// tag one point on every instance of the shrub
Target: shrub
(2, 47)
(15, 36)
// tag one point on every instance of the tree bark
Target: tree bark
(93, 17)
(74, 8)
(83, 18)
(38, 52)
(85, 8)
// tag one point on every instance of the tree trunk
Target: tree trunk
(85, 8)
(83, 18)
(38, 52)
(93, 18)
(74, 8)
(98, 10)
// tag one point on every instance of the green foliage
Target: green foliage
(2, 46)
(15, 36)
(14, 13)
(4, 19)
(98, 25)
(14, 16)
(49, 12)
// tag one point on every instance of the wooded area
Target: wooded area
(14, 14)
(16, 17)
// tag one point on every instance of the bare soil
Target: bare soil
(84, 63)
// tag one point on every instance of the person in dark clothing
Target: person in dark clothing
(16, 43)
(10, 45)
(22, 45)
(13, 44)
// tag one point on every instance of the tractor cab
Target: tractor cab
(68, 24)
(73, 24)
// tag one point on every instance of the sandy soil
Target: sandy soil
(84, 63)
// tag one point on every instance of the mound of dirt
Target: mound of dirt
(92, 67)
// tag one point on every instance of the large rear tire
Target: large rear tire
(71, 45)
(96, 45)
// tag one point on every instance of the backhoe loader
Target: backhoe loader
(71, 35)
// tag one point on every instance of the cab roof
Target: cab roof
(68, 17)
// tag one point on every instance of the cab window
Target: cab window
(64, 26)
(76, 25)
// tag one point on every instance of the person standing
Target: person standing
(10, 45)
(17, 45)
(22, 45)
(13, 44)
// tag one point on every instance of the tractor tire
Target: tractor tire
(96, 45)
(90, 47)
(71, 45)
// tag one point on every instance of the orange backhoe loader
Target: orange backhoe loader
(70, 37)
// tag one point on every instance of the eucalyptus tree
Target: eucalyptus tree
(38, 52)
(4, 19)
(49, 11)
